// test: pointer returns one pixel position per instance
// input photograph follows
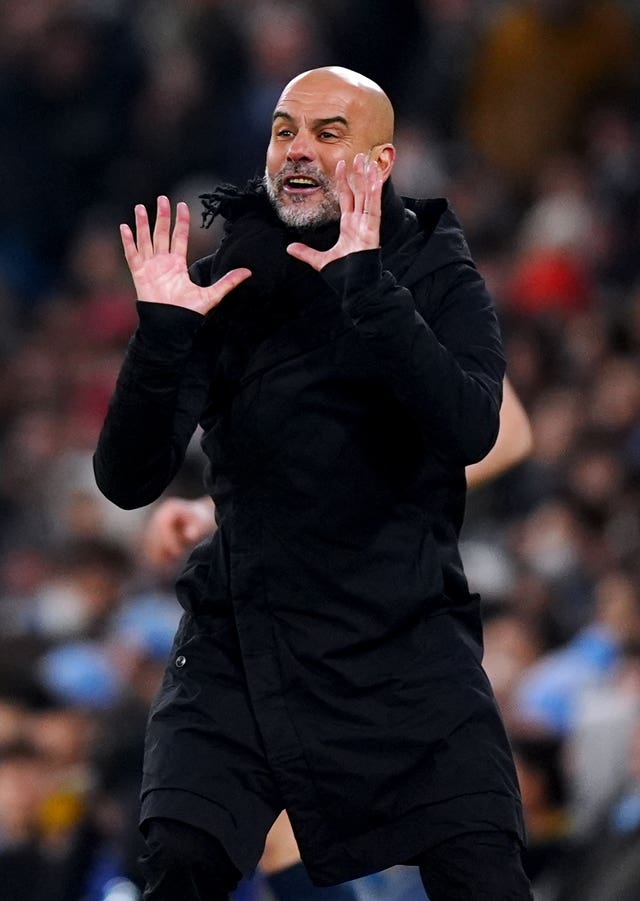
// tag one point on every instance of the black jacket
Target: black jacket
(338, 410)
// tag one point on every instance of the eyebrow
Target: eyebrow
(317, 123)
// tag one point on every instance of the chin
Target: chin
(296, 216)
(302, 214)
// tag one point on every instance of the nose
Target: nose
(301, 147)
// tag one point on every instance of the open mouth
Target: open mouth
(300, 184)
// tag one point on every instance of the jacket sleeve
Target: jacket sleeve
(448, 371)
(159, 397)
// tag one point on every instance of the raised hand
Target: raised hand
(360, 195)
(158, 263)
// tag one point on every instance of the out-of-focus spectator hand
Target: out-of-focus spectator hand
(514, 442)
(174, 527)
(158, 262)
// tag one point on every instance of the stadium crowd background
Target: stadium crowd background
(526, 114)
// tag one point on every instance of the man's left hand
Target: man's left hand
(360, 196)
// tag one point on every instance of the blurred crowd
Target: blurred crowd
(526, 115)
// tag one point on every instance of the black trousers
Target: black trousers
(183, 863)
(187, 864)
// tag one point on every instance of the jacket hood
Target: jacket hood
(446, 243)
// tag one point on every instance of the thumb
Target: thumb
(314, 258)
(224, 285)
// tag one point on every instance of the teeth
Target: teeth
(301, 180)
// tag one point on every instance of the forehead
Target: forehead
(322, 102)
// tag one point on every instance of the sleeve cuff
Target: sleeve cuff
(352, 275)
(165, 329)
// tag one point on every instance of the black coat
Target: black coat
(329, 659)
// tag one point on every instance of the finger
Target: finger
(163, 222)
(308, 255)
(224, 285)
(129, 247)
(373, 193)
(345, 194)
(186, 533)
(180, 237)
(194, 531)
(162, 548)
(358, 182)
(174, 547)
(143, 235)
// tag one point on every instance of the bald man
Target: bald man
(342, 357)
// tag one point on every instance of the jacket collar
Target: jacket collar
(232, 203)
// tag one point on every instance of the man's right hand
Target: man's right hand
(174, 527)
(158, 263)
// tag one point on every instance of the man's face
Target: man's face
(317, 122)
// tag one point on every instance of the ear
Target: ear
(384, 155)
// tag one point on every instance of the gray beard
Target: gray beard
(294, 211)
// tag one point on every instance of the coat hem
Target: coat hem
(403, 839)
(203, 813)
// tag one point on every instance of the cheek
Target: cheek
(330, 159)
(275, 159)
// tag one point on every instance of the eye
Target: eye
(328, 136)
(284, 133)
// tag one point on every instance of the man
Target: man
(176, 525)
(329, 658)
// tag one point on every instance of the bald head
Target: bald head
(364, 95)
(324, 116)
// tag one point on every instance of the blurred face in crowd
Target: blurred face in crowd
(324, 116)
(22, 791)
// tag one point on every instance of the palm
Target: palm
(360, 210)
(358, 231)
(166, 276)
(158, 263)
